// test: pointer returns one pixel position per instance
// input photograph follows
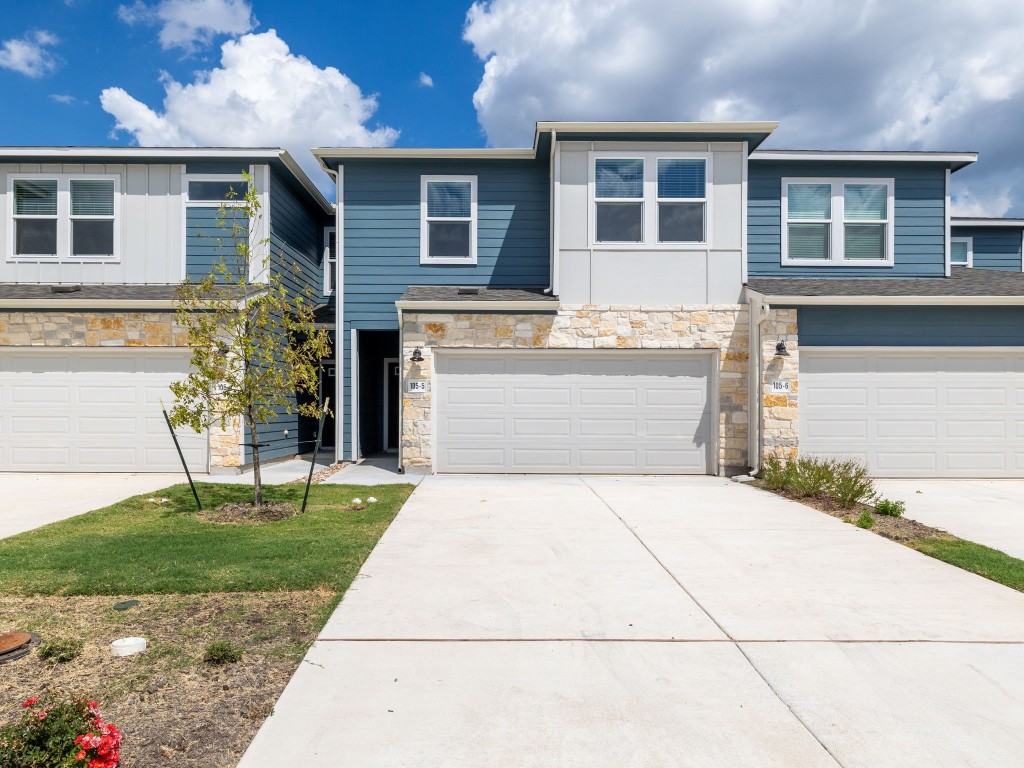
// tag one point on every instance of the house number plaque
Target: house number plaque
(781, 386)
(413, 386)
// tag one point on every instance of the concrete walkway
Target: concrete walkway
(35, 499)
(544, 621)
(990, 512)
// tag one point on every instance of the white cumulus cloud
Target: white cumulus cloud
(260, 95)
(918, 74)
(30, 55)
(188, 24)
(426, 80)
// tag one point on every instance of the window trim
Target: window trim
(970, 251)
(425, 257)
(329, 286)
(649, 211)
(65, 221)
(235, 202)
(838, 222)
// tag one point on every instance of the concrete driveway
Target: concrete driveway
(515, 621)
(990, 512)
(31, 500)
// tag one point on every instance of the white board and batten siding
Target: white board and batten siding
(916, 412)
(150, 218)
(543, 411)
(92, 410)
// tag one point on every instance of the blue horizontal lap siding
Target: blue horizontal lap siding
(296, 232)
(994, 247)
(911, 326)
(920, 211)
(207, 243)
(382, 237)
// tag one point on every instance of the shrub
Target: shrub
(851, 485)
(60, 732)
(866, 520)
(811, 477)
(775, 474)
(222, 652)
(890, 507)
(60, 650)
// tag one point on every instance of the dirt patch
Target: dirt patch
(173, 708)
(901, 529)
(240, 513)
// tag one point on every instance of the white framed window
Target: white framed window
(448, 219)
(961, 251)
(650, 199)
(837, 222)
(215, 189)
(63, 217)
(330, 259)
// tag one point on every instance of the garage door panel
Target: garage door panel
(474, 427)
(954, 414)
(576, 412)
(77, 410)
(483, 396)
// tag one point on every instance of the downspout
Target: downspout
(401, 391)
(759, 313)
(552, 201)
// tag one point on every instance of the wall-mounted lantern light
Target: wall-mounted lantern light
(417, 355)
(780, 349)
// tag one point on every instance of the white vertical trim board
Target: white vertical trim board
(339, 311)
(743, 214)
(948, 227)
(353, 406)
(556, 213)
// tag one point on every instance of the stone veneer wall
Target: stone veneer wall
(780, 433)
(114, 329)
(722, 327)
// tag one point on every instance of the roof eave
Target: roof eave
(954, 160)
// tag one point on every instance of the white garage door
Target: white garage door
(88, 411)
(540, 411)
(912, 413)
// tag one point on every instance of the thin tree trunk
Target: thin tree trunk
(257, 480)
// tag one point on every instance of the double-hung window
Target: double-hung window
(448, 220)
(961, 251)
(837, 221)
(651, 199)
(63, 217)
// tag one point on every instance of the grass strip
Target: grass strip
(976, 558)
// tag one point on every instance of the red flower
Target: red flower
(30, 702)
(81, 752)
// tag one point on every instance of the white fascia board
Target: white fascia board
(414, 153)
(987, 301)
(963, 221)
(477, 306)
(955, 158)
(658, 127)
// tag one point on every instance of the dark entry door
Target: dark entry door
(328, 389)
(391, 387)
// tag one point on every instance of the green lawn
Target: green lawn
(976, 558)
(137, 547)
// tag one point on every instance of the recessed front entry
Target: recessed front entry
(540, 411)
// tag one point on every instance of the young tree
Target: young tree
(255, 347)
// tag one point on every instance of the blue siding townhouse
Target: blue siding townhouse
(96, 241)
(617, 298)
(667, 298)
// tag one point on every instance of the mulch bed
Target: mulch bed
(240, 513)
(901, 529)
(174, 709)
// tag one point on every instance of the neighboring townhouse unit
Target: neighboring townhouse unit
(96, 241)
(666, 298)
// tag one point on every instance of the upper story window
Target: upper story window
(63, 217)
(448, 220)
(330, 259)
(216, 191)
(655, 199)
(961, 251)
(837, 222)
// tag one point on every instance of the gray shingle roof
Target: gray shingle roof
(962, 282)
(476, 293)
(97, 292)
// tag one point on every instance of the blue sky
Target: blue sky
(837, 74)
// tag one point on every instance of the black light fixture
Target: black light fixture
(780, 349)
(417, 355)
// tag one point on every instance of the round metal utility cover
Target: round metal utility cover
(14, 640)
